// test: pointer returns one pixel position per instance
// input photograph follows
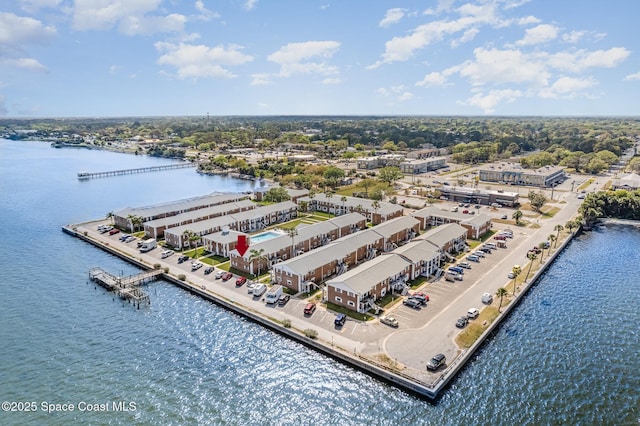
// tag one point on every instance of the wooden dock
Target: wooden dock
(126, 287)
(90, 175)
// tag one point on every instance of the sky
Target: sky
(116, 58)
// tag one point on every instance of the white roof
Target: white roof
(418, 250)
(200, 213)
(353, 202)
(436, 212)
(395, 225)
(180, 205)
(441, 235)
(367, 275)
(477, 220)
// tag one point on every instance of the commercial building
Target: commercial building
(416, 166)
(431, 217)
(515, 174)
(478, 196)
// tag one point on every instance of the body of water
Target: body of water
(567, 355)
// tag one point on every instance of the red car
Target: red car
(227, 276)
(114, 231)
(310, 308)
(240, 281)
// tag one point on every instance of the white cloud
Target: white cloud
(393, 16)
(528, 20)
(399, 93)
(434, 79)
(29, 64)
(195, 61)
(114, 69)
(573, 36)
(515, 3)
(131, 17)
(18, 31)
(567, 87)
(402, 48)
(331, 81)
(205, 14)
(250, 4)
(582, 59)
(295, 58)
(539, 34)
(261, 79)
(632, 77)
(466, 37)
(488, 102)
(493, 66)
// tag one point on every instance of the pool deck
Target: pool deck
(397, 356)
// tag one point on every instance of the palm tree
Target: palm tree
(344, 201)
(558, 228)
(552, 238)
(516, 270)
(501, 293)
(111, 216)
(517, 215)
(541, 247)
(136, 221)
(570, 225)
(257, 254)
(293, 233)
(187, 236)
(531, 256)
(375, 205)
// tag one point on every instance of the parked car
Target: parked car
(183, 258)
(283, 299)
(227, 276)
(309, 308)
(479, 253)
(473, 258)
(462, 322)
(208, 270)
(412, 303)
(465, 265)
(511, 275)
(240, 281)
(465, 211)
(340, 320)
(251, 286)
(437, 361)
(167, 253)
(487, 298)
(504, 217)
(486, 250)
(196, 265)
(423, 299)
(473, 313)
(219, 274)
(114, 231)
(390, 321)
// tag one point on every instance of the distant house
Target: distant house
(476, 225)
(447, 238)
(628, 181)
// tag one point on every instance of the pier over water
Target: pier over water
(90, 175)
(126, 287)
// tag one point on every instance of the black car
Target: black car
(183, 259)
(282, 300)
(340, 320)
(412, 303)
(209, 270)
(436, 362)
(462, 322)
(485, 250)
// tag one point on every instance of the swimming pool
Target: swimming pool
(258, 238)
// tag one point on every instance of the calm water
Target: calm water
(568, 354)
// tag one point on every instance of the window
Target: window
(338, 299)
(279, 279)
(350, 303)
(288, 282)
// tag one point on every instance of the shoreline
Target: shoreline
(366, 364)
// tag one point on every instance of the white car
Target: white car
(487, 298)
(465, 265)
(511, 275)
(167, 253)
(473, 313)
(391, 321)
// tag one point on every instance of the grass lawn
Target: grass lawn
(194, 253)
(585, 184)
(418, 282)
(348, 312)
(550, 212)
(472, 332)
(225, 266)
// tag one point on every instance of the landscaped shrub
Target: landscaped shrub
(310, 333)
(286, 323)
(182, 277)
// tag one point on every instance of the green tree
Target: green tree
(517, 215)
(277, 195)
(552, 238)
(260, 256)
(570, 225)
(333, 173)
(537, 200)
(501, 293)
(558, 228)
(516, 270)
(389, 174)
(366, 184)
(111, 216)
(531, 256)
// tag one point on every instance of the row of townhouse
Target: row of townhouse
(245, 221)
(359, 288)
(375, 211)
(122, 218)
(309, 269)
(261, 256)
(156, 228)
(476, 225)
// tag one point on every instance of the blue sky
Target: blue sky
(92, 58)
